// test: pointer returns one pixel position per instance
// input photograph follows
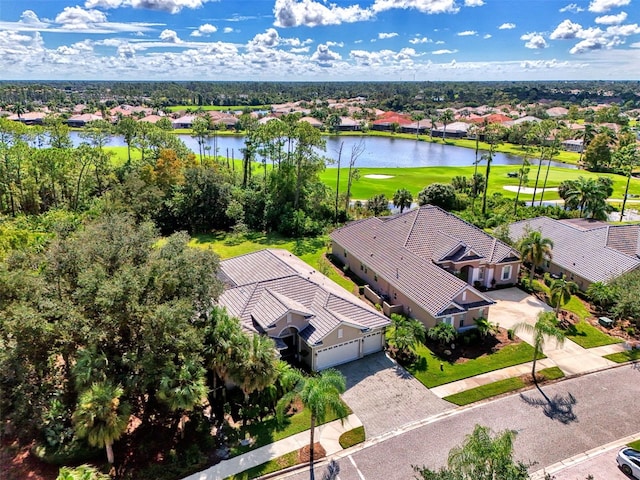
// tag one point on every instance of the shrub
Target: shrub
(511, 334)
(443, 333)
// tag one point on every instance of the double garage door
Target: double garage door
(348, 351)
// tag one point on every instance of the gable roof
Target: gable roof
(595, 251)
(402, 249)
(265, 285)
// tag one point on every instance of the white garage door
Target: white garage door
(337, 354)
(372, 343)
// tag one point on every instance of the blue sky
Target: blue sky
(300, 40)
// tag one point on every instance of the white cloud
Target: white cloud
(624, 30)
(440, 42)
(467, 33)
(295, 13)
(572, 7)
(473, 3)
(324, 56)
(204, 30)
(601, 6)
(268, 39)
(300, 50)
(444, 52)
(169, 36)
(328, 44)
(612, 19)
(534, 40)
(417, 40)
(171, 6)
(30, 17)
(566, 30)
(75, 18)
(383, 35)
(227, 30)
(507, 26)
(403, 58)
(424, 6)
(487, 36)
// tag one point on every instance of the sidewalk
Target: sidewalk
(328, 435)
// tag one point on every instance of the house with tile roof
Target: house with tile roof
(428, 262)
(586, 251)
(310, 318)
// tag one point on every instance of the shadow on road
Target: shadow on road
(559, 407)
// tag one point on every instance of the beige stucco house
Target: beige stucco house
(310, 318)
(428, 264)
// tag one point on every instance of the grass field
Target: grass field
(416, 178)
(626, 356)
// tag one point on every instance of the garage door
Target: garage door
(372, 343)
(337, 354)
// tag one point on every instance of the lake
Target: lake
(379, 152)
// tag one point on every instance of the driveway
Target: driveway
(385, 396)
(514, 306)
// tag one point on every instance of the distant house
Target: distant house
(426, 263)
(557, 112)
(81, 120)
(151, 118)
(492, 118)
(453, 130)
(29, 118)
(310, 318)
(348, 124)
(314, 122)
(186, 121)
(586, 251)
(222, 118)
(387, 120)
(573, 145)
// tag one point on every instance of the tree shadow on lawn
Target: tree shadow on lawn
(559, 407)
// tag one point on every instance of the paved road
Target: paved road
(578, 415)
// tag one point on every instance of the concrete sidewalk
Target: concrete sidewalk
(328, 435)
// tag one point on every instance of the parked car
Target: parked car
(629, 462)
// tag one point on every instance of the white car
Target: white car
(629, 462)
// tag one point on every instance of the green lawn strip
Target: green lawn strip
(626, 356)
(497, 388)
(415, 179)
(269, 431)
(310, 250)
(275, 465)
(635, 444)
(352, 437)
(427, 368)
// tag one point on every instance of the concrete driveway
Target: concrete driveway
(514, 306)
(385, 397)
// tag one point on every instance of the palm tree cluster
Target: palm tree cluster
(534, 249)
(588, 196)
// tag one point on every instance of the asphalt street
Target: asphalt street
(563, 420)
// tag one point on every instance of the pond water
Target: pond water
(379, 152)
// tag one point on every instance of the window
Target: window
(448, 320)
(506, 272)
(340, 333)
(481, 273)
(461, 323)
(361, 267)
(345, 254)
(464, 296)
(375, 278)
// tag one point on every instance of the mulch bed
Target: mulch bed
(18, 463)
(482, 346)
(304, 454)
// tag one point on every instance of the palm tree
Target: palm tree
(561, 291)
(493, 136)
(584, 193)
(443, 332)
(407, 333)
(378, 204)
(535, 248)
(321, 395)
(545, 326)
(523, 179)
(485, 327)
(586, 135)
(446, 118)
(627, 156)
(417, 117)
(101, 417)
(402, 199)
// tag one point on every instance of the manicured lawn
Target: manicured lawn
(270, 431)
(626, 356)
(497, 388)
(427, 367)
(352, 437)
(635, 444)
(415, 179)
(275, 465)
(310, 250)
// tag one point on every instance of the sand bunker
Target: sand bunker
(375, 176)
(528, 190)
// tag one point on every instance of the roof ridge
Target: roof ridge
(413, 225)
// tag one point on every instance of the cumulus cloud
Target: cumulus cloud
(30, 17)
(487, 36)
(227, 30)
(417, 40)
(324, 56)
(612, 19)
(171, 6)
(572, 7)
(328, 44)
(467, 33)
(269, 39)
(601, 6)
(204, 30)
(295, 13)
(566, 30)
(534, 40)
(473, 3)
(403, 58)
(75, 18)
(424, 6)
(169, 36)
(507, 26)
(444, 52)
(384, 35)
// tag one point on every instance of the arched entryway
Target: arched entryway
(466, 274)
